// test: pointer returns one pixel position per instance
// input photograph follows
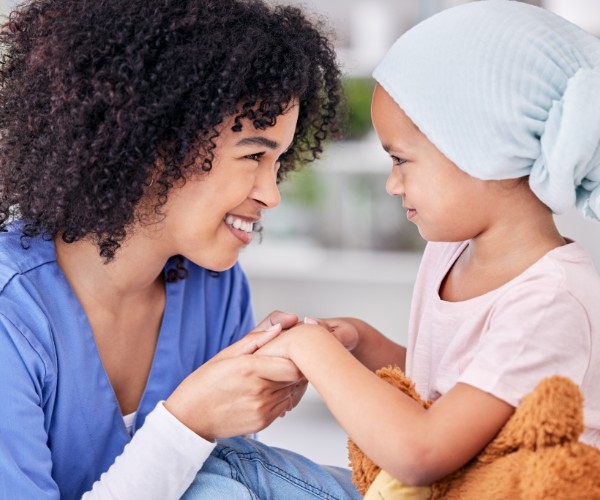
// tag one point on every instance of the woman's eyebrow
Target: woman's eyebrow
(258, 140)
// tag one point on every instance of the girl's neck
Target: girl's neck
(500, 253)
(517, 241)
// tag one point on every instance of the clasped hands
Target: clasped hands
(247, 385)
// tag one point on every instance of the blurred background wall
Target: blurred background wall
(339, 245)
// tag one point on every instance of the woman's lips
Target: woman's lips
(243, 236)
(240, 227)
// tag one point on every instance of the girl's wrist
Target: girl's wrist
(309, 339)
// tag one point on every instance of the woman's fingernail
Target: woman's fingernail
(276, 326)
(310, 321)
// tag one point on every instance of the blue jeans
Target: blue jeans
(245, 469)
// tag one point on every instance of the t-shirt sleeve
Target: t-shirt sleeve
(24, 454)
(534, 332)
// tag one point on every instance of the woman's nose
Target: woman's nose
(266, 190)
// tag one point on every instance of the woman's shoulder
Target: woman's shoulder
(26, 285)
(19, 256)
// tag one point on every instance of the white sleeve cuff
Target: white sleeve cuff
(160, 462)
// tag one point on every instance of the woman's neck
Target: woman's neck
(124, 302)
(133, 272)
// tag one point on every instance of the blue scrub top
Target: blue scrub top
(60, 423)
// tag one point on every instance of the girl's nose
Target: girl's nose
(394, 184)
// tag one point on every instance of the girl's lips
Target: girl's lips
(410, 213)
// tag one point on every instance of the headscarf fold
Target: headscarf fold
(505, 90)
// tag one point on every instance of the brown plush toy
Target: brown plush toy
(536, 455)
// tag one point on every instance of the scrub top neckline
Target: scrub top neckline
(102, 378)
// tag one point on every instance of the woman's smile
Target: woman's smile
(241, 228)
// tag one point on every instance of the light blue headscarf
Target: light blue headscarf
(504, 90)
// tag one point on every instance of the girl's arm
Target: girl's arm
(416, 446)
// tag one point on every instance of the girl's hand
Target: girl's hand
(343, 329)
(366, 343)
(235, 392)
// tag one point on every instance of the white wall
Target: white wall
(587, 232)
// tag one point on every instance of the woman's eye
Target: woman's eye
(254, 156)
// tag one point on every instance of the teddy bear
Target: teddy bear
(536, 455)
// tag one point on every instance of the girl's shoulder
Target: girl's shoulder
(569, 266)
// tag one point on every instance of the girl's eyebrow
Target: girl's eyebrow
(388, 148)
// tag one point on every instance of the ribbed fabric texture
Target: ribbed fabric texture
(505, 90)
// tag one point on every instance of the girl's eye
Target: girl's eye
(397, 161)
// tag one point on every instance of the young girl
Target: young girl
(139, 143)
(490, 114)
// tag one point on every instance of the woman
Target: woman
(140, 141)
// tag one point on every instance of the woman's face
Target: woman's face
(210, 218)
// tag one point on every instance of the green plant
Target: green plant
(358, 93)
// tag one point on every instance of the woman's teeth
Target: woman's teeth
(239, 223)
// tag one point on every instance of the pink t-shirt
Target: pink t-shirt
(546, 321)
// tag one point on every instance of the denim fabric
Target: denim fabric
(245, 469)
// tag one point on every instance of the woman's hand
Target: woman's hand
(286, 320)
(235, 392)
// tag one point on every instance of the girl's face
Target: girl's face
(445, 203)
(210, 218)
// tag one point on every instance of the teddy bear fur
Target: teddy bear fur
(536, 455)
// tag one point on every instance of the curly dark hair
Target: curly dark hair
(95, 93)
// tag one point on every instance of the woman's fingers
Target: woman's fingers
(286, 320)
(250, 343)
(298, 392)
(263, 333)
(236, 395)
(276, 369)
